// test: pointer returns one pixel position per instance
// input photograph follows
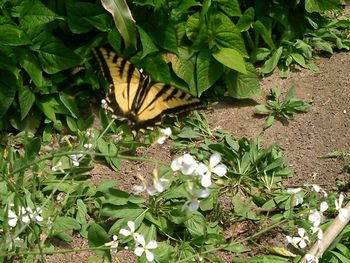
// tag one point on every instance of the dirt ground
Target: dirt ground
(324, 128)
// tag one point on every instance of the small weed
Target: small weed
(284, 109)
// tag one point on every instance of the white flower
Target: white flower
(323, 206)
(142, 247)
(214, 167)
(300, 240)
(88, 146)
(193, 201)
(57, 167)
(318, 189)
(28, 214)
(75, 159)
(137, 189)
(343, 213)
(297, 198)
(126, 232)
(158, 185)
(89, 133)
(315, 217)
(104, 104)
(12, 218)
(113, 244)
(165, 135)
(311, 258)
(186, 163)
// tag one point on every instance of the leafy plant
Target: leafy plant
(285, 109)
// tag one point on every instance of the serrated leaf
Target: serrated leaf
(231, 58)
(123, 20)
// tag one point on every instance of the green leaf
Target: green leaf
(148, 47)
(236, 248)
(26, 100)
(83, 17)
(242, 86)
(54, 57)
(262, 108)
(8, 87)
(264, 33)
(70, 104)
(31, 64)
(184, 68)
(340, 257)
(196, 225)
(272, 62)
(37, 15)
(299, 59)
(64, 223)
(157, 68)
(246, 21)
(262, 259)
(106, 184)
(123, 20)
(231, 58)
(260, 54)
(208, 70)
(47, 105)
(269, 121)
(98, 237)
(13, 36)
(320, 5)
(230, 7)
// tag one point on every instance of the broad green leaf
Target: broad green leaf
(224, 34)
(70, 104)
(54, 57)
(260, 54)
(83, 17)
(48, 107)
(31, 64)
(115, 40)
(323, 45)
(26, 100)
(196, 225)
(184, 68)
(265, 33)
(246, 21)
(64, 223)
(157, 68)
(32, 148)
(123, 20)
(269, 121)
(342, 258)
(148, 47)
(8, 87)
(230, 7)
(37, 15)
(13, 36)
(272, 62)
(242, 86)
(320, 5)
(262, 108)
(305, 48)
(262, 259)
(231, 58)
(208, 70)
(105, 185)
(81, 212)
(98, 237)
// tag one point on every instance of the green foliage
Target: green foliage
(276, 108)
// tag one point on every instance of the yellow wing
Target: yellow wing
(134, 96)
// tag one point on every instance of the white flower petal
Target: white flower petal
(162, 139)
(289, 239)
(140, 239)
(125, 232)
(193, 205)
(302, 244)
(220, 170)
(293, 190)
(139, 251)
(206, 180)
(296, 240)
(343, 214)
(201, 169)
(204, 193)
(12, 222)
(301, 232)
(131, 225)
(311, 259)
(323, 206)
(176, 164)
(152, 244)
(149, 256)
(215, 159)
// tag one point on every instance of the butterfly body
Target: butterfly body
(134, 96)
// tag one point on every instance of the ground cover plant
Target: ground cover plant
(45, 160)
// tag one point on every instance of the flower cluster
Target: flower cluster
(199, 175)
(25, 214)
(140, 244)
(315, 217)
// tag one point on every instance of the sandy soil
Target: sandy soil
(324, 128)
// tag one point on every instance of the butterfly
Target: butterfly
(135, 97)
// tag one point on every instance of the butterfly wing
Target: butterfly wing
(135, 97)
